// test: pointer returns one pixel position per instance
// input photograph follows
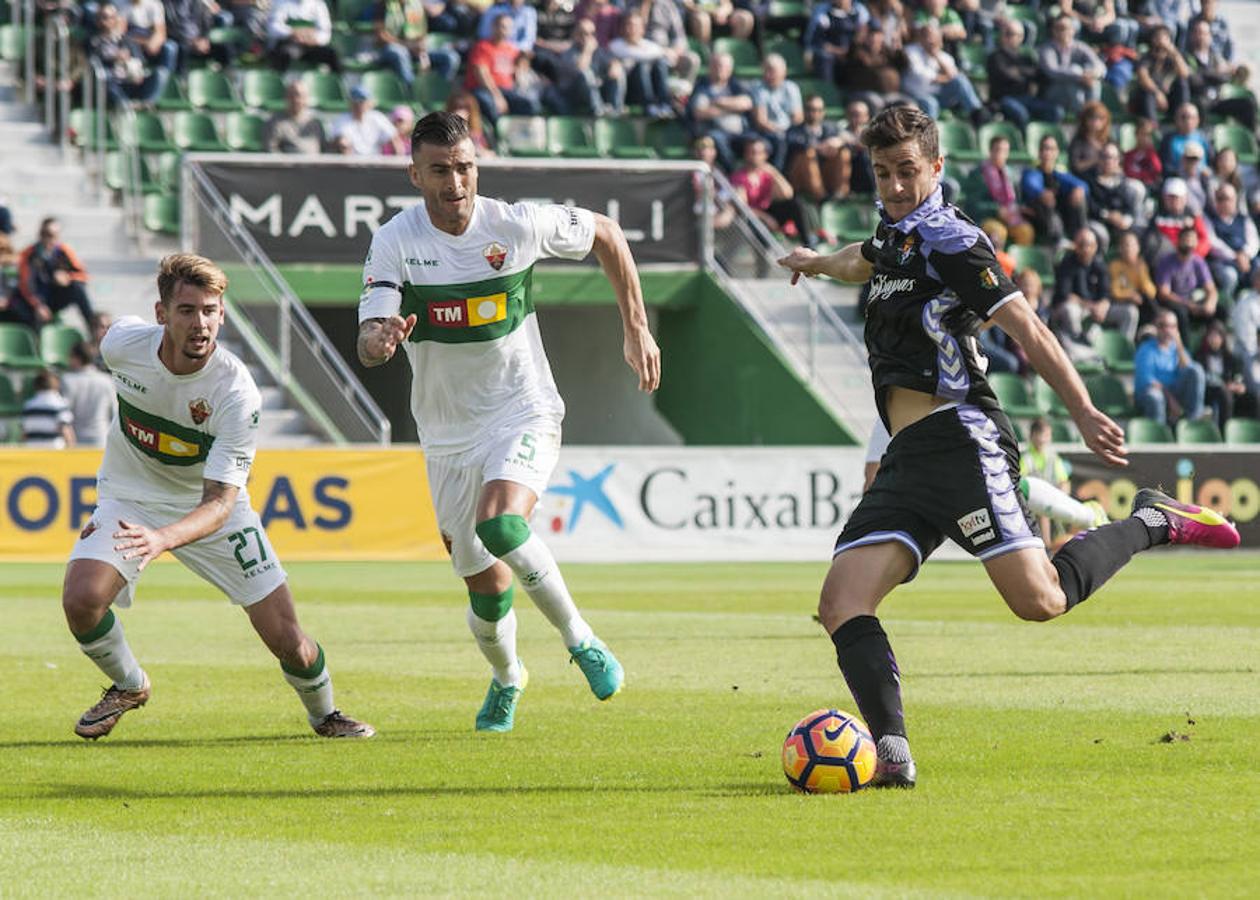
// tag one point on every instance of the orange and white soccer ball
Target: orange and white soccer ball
(829, 752)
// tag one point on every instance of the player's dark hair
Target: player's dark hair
(441, 128)
(900, 123)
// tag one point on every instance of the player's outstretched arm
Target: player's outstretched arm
(846, 264)
(1103, 436)
(147, 544)
(379, 338)
(613, 253)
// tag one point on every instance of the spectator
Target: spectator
(1082, 292)
(890, 16)
(46, 417)
(403, 120)
(939, 13)
(997, 234)
(1115, 201)
(524, 19)
(1225, 171)
(146, 26)
(492, 76)
(777, 107)
(8, 257)
(50, 278)
(6, 221)
(1040, 460)
(188, 23)
(1167, 383)
(400, 31)
(1186, 132)
(1131, 281)
(301, 31)
(1225, 388)
(722, 202)
(663, 24)
(857, 115)
(586, 77)
(101, 323)
(1072, 71)
(1014, 79)
(1174, 215)
(250, 15)
(127, 77)
(364, 129)
(830, 33)
(1184, 283)
(1222, 43)
(1142, 162)
(932, 78)
(1171, 14)
(1000, 190)
(647, 70)
(706, 16)
(872, 70)
(90, 395)
(1091, 136)
(1056, 202)
(1245, 322)
(297, 129)
(1196, 177)
(607, 18)
(769, 195)
(1160, 82)
(820, 164)
(1235, 242)
(465, 104)
(719, 107)
(1209, 71)
(556, 21)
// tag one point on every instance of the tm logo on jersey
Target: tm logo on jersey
(582, 491)
(468, 313)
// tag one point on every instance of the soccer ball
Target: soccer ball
(829, 752)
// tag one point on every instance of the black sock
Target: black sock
(1086, 562)
(867, 662)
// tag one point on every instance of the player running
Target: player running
(952, 467)
(173, 478)
(450, 280)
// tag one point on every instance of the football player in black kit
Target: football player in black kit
(952, 468)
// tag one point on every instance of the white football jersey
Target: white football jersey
(172, 431)
(477, 359)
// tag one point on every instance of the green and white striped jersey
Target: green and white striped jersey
(477, 359)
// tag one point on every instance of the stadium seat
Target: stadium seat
(83, 132)
(1047, 400)
(572, 136)
(523, 136)
(792, 52)
(55, 342)
(1116, 350)
(1115, 103)
(328, 94)
(620, 139)
(263, 89)
(12, 43)
(849, 222)
(958, 141)
(1035, 131)
(669, 138)
(431, 89)
(145, 132)
(1242, 431)
(1109, 395)
(1235, 136)
(244, 132)
(19, 348)
(827, 90)
(170, 171)
(10, 403)
(388, 89)
(196, 132)
(210, 89)
(1198, 431)
(1147, 431)
(118, 175)
(1029, 17)
(743, 52)
(161, 213)
(786, 16)
(1126, 136)
(1019, 155)
(972, 59)
(1012, 392)
(1063, 431)
(700, 48)
(1039, 259)
(172, 98)
(350, 50)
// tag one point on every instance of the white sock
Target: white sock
(1044, 499)
(540, 576)
(497, 641)
(113, 657)
(314, 688)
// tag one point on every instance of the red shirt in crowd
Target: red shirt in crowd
(500, 59)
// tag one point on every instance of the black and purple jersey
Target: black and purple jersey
(935, 280)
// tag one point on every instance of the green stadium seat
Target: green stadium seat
(669, 138)
(958, 141)
(431, 89)
(792, 52)
(170, 171)
(1116, 350)
(55, 342)
(743, 52)
(1126, 136)
(10, 402)
(145, 132)
(228, 36)
(388, 89)
(1039, 259)
(1147, 431)
(1198, 431)
(572, 136)
(118, 175)
(173, 98)
(784, 16)
(161, 213)
(263, 89)
(1047, 401)
(243, 132)
(196, 132)
(328, 94)
(700, 48)
(972, 59)
(849, 222)
(12, 43)
(1019, 154)
(350, 47)
(621, 139)
(1115, 103)
(212, 90)
(1242, 141)
(1242, 431)
(1012, 392)
(827, 90)
(1038, 130)
(19, 348)
(523, 136)
(1109, 395)
(83, 131)
(1063, 431)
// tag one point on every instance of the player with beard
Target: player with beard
(952, 467)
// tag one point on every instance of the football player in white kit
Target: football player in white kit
(449, 279)
(173, 478)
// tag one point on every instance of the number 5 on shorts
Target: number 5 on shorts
(527, 444)
(240, 540)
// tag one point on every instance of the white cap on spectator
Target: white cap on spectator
(1176, 187)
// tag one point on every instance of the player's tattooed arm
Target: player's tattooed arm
(138, 541)
(380, 337)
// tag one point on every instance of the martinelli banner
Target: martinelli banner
(326, 209)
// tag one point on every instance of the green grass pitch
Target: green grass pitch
(1042, 772)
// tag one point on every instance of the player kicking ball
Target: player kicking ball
(952, 466)
(173, 478)
(449, 279)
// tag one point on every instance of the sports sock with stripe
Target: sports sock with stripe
(496, 639)
(313, 686)
(106, 645)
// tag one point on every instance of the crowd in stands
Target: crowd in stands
(1108, 147)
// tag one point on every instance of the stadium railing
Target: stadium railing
(57, 79)
(276, 328)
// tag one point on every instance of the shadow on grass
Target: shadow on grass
(1090, 673)
(191, 743)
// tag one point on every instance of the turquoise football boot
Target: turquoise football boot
(602, 671)
(499, 709)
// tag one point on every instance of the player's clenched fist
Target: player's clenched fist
(379, 338)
